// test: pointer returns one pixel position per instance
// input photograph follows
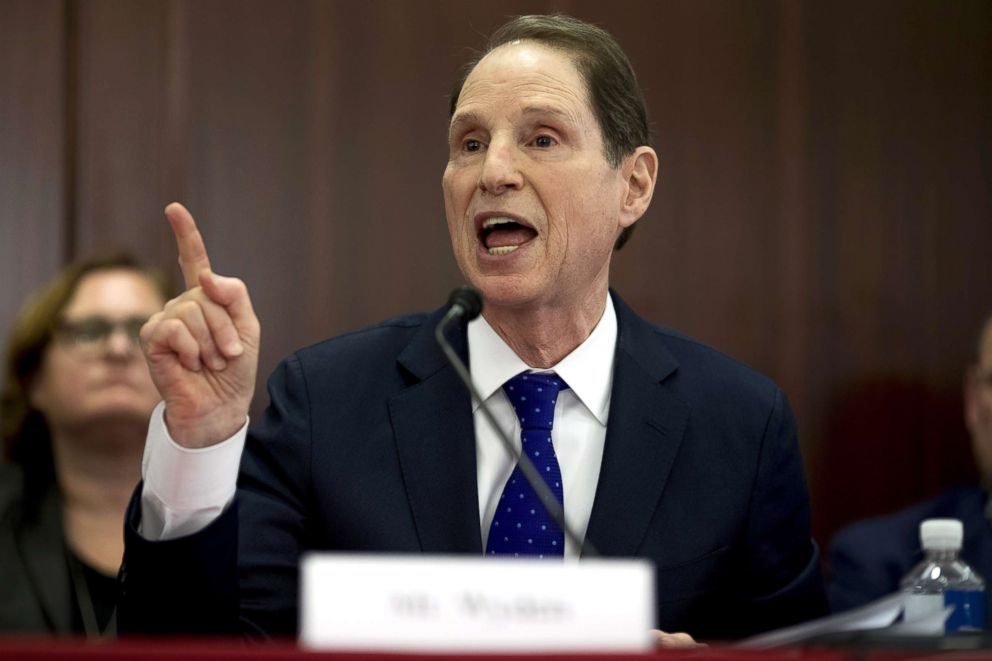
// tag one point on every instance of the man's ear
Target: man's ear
(640, 172)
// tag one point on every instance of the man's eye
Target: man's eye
(472, 145)
(544, 141)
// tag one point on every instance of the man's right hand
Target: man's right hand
(202, 348)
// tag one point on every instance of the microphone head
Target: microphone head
(469, 299)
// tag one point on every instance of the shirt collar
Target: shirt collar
(588, 370)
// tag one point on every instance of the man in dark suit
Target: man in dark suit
(658, 446)
(869, 558)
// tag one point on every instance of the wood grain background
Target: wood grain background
(824, 210)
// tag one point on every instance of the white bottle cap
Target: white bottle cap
(941, 534)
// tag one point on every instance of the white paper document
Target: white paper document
(878, 614)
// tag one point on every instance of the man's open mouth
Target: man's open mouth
(501, 236)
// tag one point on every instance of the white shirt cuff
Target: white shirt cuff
(185, 489)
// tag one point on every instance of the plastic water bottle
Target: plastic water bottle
(943, 580)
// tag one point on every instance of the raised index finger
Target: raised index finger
(192, 253)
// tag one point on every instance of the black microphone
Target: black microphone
(466, 303)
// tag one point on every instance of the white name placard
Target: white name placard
(446, 603)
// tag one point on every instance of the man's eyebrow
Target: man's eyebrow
(469, 118)
(460, 120)
(548, 110)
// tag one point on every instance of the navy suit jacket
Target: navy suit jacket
(368, 445)
(869, 558)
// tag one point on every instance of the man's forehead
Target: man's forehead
(540, 79)
(528, 64)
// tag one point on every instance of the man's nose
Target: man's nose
(500, 169)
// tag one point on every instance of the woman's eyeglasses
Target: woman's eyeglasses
(93, 332)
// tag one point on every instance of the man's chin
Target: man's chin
(507, 293)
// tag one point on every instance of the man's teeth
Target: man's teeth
(492, 222)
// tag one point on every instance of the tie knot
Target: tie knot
(533, 397)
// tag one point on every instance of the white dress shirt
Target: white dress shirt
(184, 490)
(579, 430)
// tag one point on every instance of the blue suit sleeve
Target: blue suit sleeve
(239, 574)
(782, 581)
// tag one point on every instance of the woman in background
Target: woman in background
(75, 406)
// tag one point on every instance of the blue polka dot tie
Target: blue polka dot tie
(521, 526)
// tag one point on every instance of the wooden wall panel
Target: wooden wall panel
(822, 214)
(125, 138)
(900, 208)
(32, 157)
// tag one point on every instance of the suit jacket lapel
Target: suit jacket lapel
(435, 441)
(42, 548)
(645, 429)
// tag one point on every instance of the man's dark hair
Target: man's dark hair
(616, 98)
